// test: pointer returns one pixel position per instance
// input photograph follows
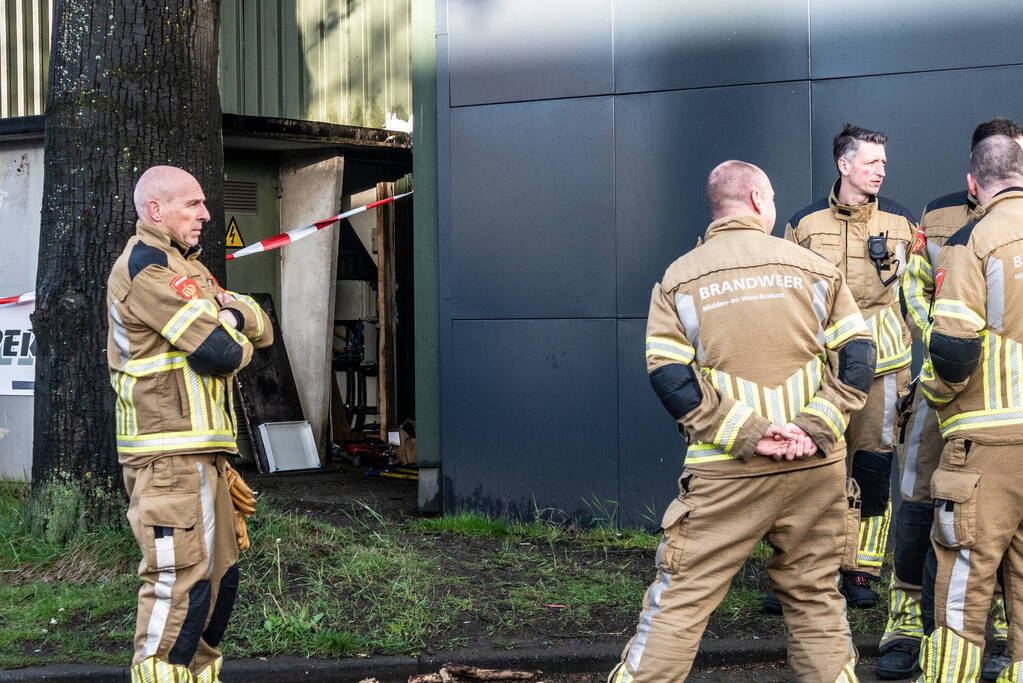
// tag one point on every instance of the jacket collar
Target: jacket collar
(158, 236)
(733, 223)
(847, 212)
(1008, 193)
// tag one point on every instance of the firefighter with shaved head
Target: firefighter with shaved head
(764, 425)
(176, 340)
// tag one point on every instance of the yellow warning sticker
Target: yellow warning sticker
(234, 235)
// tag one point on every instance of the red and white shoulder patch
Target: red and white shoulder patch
(939, 277)
(920, 241)
(185, 286)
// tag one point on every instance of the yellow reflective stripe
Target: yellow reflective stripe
(1013, 363)
(172, 441)
(894, 362)
(829, 413)
(796, 393)
(667, 348)
(953, 308)
(235, 334)
(706, 452)
(139, 367)
(873, 537)
(125, 413)
(185, 316)
(721, 381)
(843, 329)
(731, 425)
(979, 419)
(749, 394)
(991, 345)
(916, 282)
(196, 400)
(260, 325)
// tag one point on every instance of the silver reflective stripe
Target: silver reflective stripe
(945, 519)
(643, 630)
(209, 526)
(1012, 351)
(956, 602)
(995, 275)
(686, 308)
(991, 348)
(175, 441)
(932, 254)
(774, 405)
(913, 450)
(888, 426)
(120, 334)
(144, 367)
(820, 299)
(162, 595)
(900, 254)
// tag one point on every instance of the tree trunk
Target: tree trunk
(131, 85)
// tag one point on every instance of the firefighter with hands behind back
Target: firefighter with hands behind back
(175, 342)
(868, 238)
(764, 426)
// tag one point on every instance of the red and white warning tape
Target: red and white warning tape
(284, 238)
(268, 244)
(15, 300)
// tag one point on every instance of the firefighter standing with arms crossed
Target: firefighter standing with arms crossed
(920, 445)
(175, 342)
(867, 238)
(765, 428)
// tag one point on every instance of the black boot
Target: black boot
(771, 604)
(997, 659)
(857, 591)
(899, 659)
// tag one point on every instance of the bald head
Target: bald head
(995, 164)
(171, 197)
(738, 188)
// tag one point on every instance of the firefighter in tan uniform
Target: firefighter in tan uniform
(764, 425)
(920, 445)
(972, 376)
(868, 239)
(175, 342)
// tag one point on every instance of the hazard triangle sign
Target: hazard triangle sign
(234, 235)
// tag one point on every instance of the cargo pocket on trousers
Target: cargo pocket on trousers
(676, 530)
(851, 545)
(955, 506)
(172, 537)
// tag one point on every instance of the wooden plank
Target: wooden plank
(387, 312)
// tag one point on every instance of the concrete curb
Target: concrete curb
(568, 656)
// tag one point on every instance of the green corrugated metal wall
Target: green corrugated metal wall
(339, 61)
(342, 61)
(24, 55)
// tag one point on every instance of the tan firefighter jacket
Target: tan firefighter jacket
(941, 219)
(747, 330)
(973, 372)
(840, 233)
(171, 358)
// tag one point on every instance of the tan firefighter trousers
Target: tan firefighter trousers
(709, 531)
(978, 523)
(182, 517)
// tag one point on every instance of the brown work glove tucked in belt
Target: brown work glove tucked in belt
(244, 500)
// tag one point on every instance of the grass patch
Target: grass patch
(466, 524)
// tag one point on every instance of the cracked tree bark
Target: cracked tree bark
(131, 85)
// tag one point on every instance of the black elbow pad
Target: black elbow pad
(856, 362)
(219, 354)
(954, 358)
(677, 387)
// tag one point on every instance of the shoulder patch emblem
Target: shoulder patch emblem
(939, 277)
(920, 241)
(185, 286)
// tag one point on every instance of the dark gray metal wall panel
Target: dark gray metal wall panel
(650, 448)
(912, 35)
(532, 416)
(531, 220)
(667, 143)
(929, 119)
(514, 50)
(674, 44)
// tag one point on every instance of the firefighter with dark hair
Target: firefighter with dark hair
(867, 237)
(175, 342)
(971, 375)
(764, 426)
(920, 445)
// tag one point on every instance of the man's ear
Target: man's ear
(757, 201)
(154, 211)
(971, 185)
(843, 165)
